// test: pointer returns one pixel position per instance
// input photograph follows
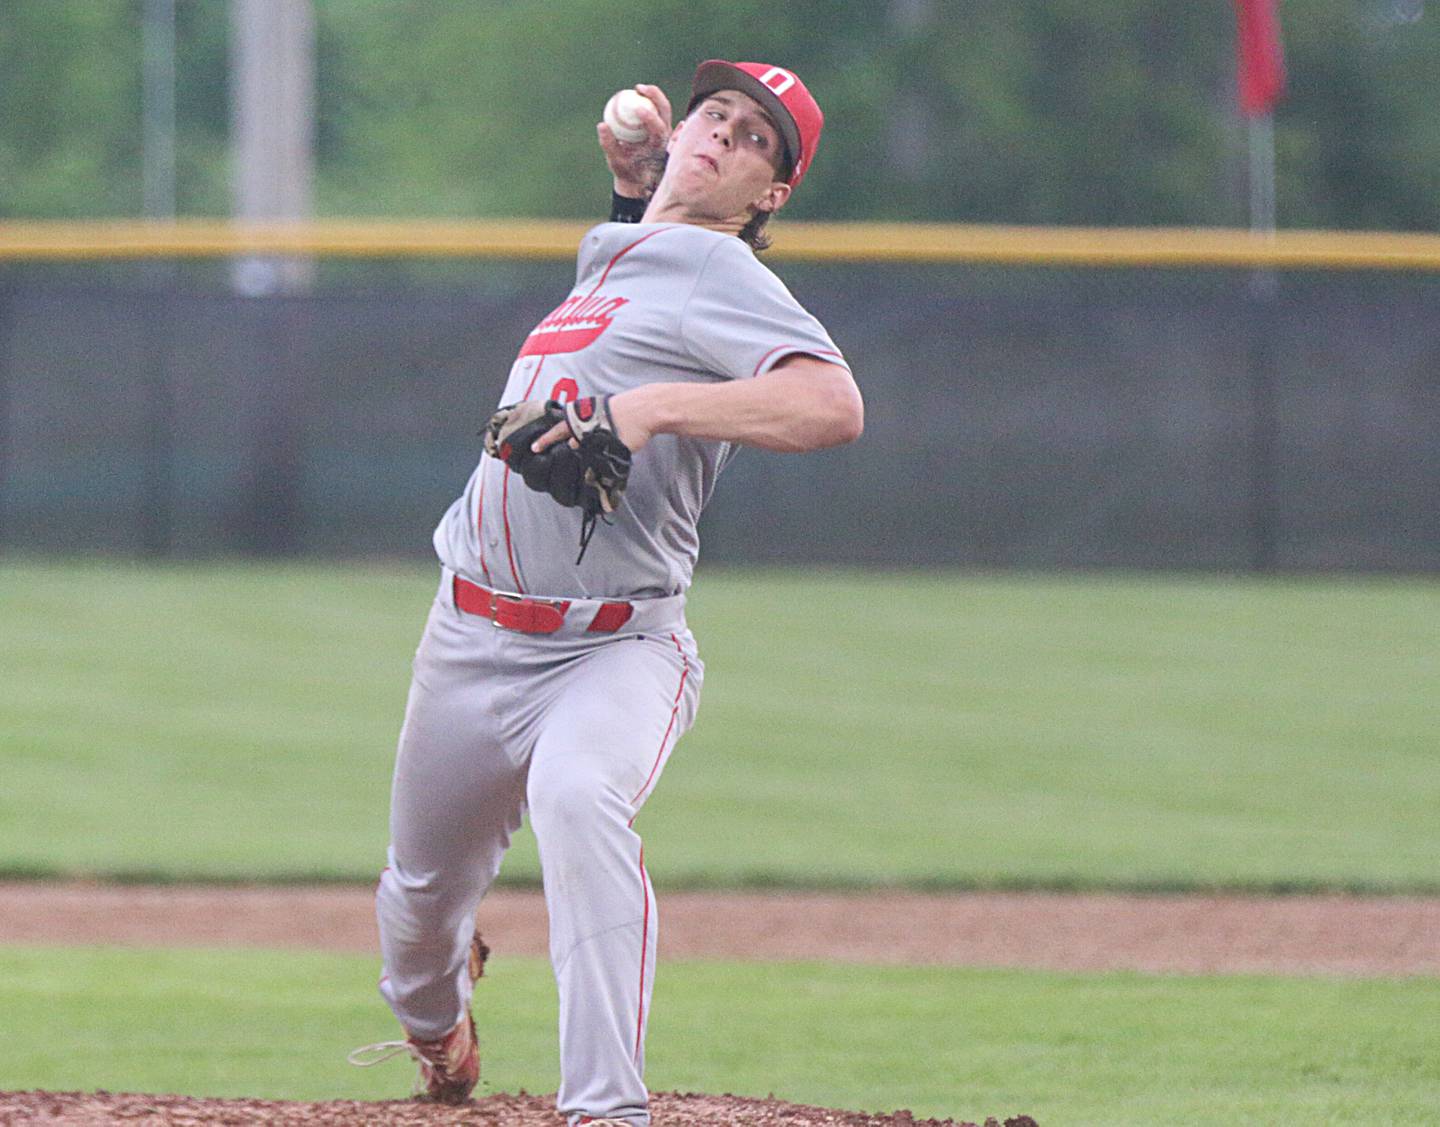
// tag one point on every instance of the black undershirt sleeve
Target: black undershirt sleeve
(625, 209)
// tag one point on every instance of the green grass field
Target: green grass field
(237, 722)
(1071, 1050)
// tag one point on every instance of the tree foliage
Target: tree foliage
(1036, 111)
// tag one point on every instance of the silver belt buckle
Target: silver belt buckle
(495, 597)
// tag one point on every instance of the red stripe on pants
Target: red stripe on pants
(644, 949)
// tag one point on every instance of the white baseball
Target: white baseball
(623, 117)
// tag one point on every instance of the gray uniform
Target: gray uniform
(574, 723)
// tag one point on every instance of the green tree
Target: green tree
(1036, 111)
(69, 134)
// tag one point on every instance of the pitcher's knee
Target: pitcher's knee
(575, 804)
(416, 908)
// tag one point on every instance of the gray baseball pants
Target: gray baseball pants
(575, 727)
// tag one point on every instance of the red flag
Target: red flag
(1261, 70)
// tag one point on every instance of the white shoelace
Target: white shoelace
(380, 1052)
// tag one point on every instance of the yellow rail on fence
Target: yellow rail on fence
(796, 241)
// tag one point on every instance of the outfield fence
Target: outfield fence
(1210, 400)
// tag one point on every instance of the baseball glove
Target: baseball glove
(589, 472)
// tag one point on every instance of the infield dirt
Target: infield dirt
(1174, 934)
(670, 1109)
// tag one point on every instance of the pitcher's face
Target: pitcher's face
(725, 158)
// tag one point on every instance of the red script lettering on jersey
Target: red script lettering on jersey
(575, 324)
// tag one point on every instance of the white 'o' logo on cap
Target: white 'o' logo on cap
(778, 80)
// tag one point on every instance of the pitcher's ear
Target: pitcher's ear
(774, 197)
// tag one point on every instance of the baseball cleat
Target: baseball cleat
(449, 1065)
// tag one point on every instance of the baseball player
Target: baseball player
(556, 672)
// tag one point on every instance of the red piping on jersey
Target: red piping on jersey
(674, 711)
(480, 528)
(534, 376)
(797, 349)
(624, 252)
(509, 547)
(644, 950)
(505, 502)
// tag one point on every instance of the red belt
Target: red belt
(533, 616)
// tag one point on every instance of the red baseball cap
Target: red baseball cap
(782, 94)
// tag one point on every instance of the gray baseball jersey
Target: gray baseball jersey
(652, 303)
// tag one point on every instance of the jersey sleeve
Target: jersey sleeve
(740, 320)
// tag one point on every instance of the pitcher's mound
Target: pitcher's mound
(668, 1109)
